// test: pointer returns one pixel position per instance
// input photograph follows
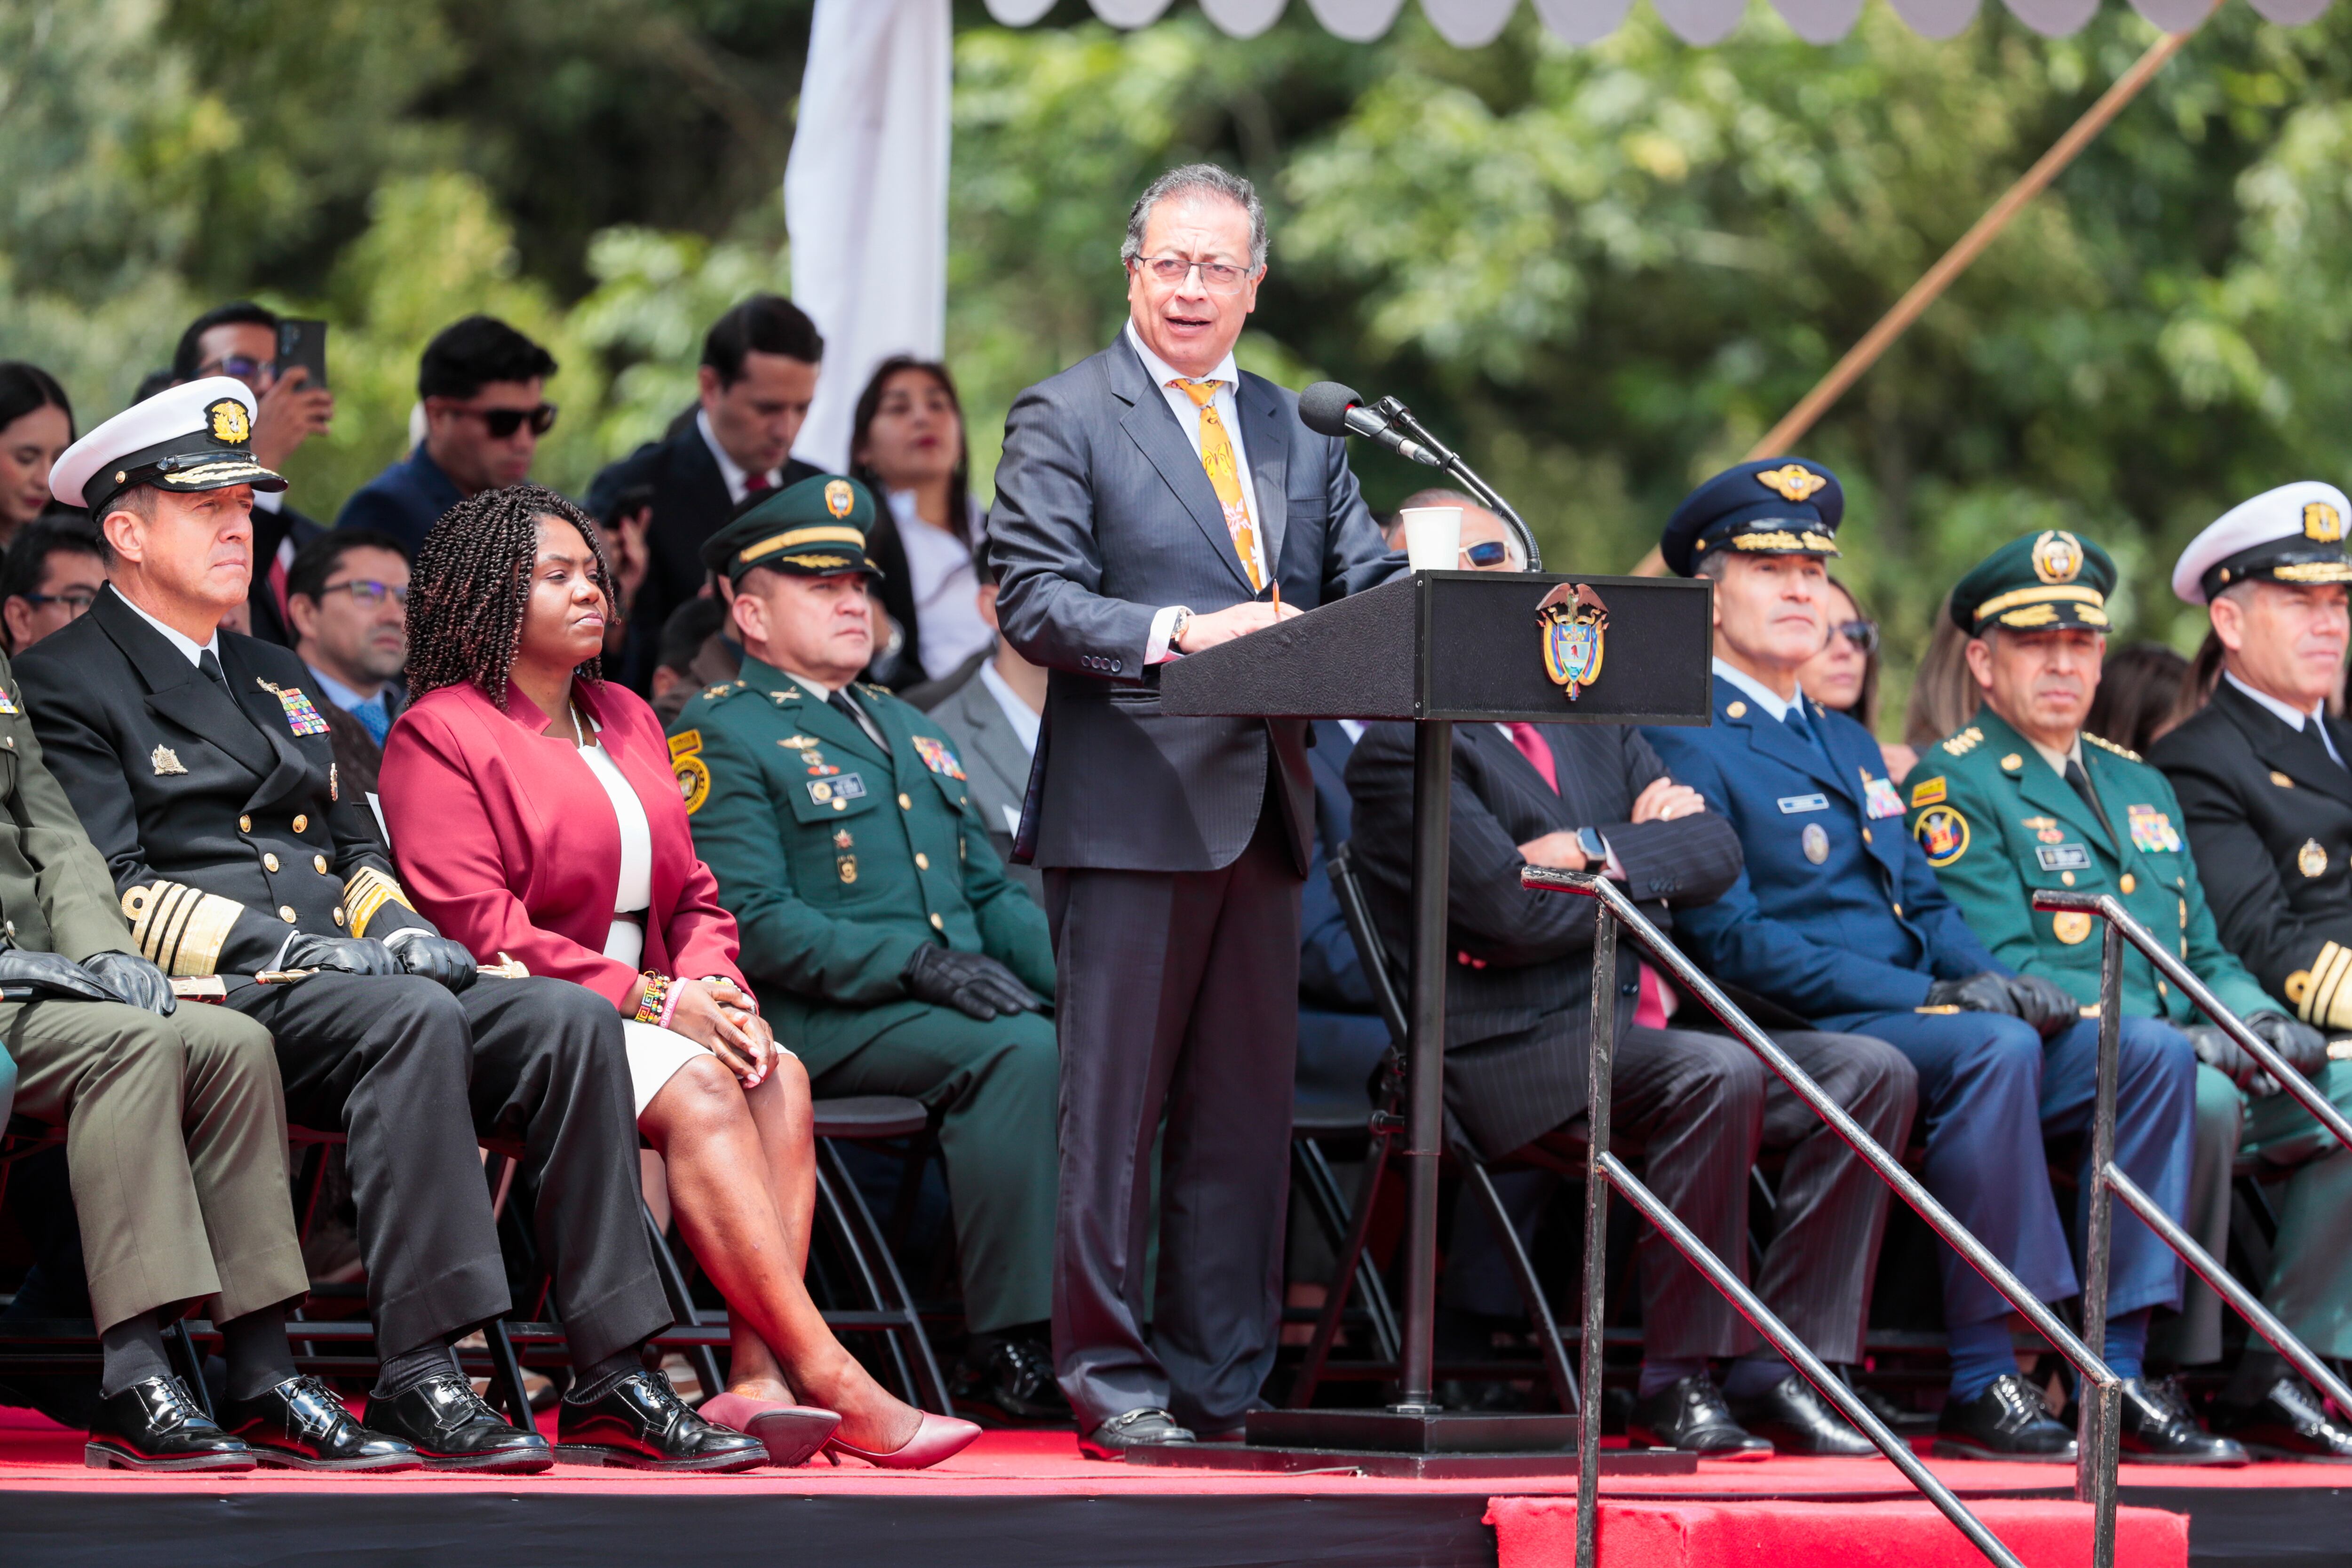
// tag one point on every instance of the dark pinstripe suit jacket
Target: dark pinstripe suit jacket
(1518, 999)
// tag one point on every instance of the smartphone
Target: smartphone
(304, 344)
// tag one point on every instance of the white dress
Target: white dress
(655, 1053)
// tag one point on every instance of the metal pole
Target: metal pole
(1832, 1387)
(1601, 1052)
(1670, 959)
(2096, 1428)
(2106, 907)
(2263, 1321)
(1433, 813)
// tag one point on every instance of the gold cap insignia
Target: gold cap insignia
(1792, 481)
(2057, 556)
(229, 421)
(165, 761)
(2322, 523)
(839, 498)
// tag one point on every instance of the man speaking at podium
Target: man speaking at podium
(1149, 501)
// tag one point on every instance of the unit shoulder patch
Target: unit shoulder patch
(1943, 834)
(1927, 792)
(2125, 752)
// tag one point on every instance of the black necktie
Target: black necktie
(1795, 719)
(211, 669)
(2081, 782)
(839, 701)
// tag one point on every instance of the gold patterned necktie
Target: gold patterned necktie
(1224, 475)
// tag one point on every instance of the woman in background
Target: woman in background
(533, 812)
(2139, 686)
(907, 445)
(1944, 695)
(1845, 674)
(37, 424)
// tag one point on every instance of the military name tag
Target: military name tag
(1879, 796)
(2063, 858)
(848, 787)
(1790, 804)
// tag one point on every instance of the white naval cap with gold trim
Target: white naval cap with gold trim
(2292, 534)
(198, 437)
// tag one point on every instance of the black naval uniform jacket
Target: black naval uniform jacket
(2269, 815)
(217, 807)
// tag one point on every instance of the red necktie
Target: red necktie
(1650, 1012)
(757, 485)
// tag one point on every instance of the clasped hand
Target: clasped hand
(2044, 1003)
(1661, 800)
(721, 1018)
(123, 977)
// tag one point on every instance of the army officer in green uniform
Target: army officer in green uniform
(889, 946)
(2024, 798)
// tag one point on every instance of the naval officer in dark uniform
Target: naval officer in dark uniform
(2261, 777)
(202, 769)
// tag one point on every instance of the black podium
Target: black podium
(1438, 648)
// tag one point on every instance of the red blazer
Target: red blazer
(508, 843)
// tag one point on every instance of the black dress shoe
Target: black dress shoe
(1900, 1419)
(1144, 1428)
(154, 1425)
(2288, 1424)
(1014, 1377)
(641, 1424)
(301, 1426)
(2159, 1429)
(1794, 1418)
(2006, 1421)
(446, 1422)
(1691, 1417)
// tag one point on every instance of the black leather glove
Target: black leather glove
(2304, 1048)
(438, 958)
(971, 982)
(351, 954)
(29, 976)
(1986, 993)
(2044, 1003)
(2217, 1050)
(134, 980)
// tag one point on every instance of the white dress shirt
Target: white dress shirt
(1228, 377)
(190, 649)
(1764, 696)
(1016, 713)
(733, 472)
(946, 589)
(2288, 716)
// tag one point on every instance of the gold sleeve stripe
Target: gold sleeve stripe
(179, 929)
(368, 893)
(2322, 990)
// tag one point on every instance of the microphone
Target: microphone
(1329, 408)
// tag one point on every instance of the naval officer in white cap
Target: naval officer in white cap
(2267, 797)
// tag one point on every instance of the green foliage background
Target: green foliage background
(1607, 270)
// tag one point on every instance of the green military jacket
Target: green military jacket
(1996, 822)
(55, 894)
(837, 859)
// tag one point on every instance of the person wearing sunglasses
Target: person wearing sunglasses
(481, 384)
(52, 574)
(1487, 543)
(1844, 676)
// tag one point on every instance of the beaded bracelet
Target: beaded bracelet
(655, 1005)
(669, 1005)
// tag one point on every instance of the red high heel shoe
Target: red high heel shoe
(791, 1432)
(938, 1438)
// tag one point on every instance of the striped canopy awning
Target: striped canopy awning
(1468, 24)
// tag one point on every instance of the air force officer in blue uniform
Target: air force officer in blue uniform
(1838, 919)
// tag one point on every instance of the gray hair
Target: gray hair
(1196, 179)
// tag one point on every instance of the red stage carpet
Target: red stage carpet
(1025, 1499)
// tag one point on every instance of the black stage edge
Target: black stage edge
(1500, 1469)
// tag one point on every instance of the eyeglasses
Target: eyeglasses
(370, 593)
(77, 601)
(502, 423)
(1486, 552)
(1863, 634)
(241, 366)
(1221, 277)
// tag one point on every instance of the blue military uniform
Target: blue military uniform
(1837, 918)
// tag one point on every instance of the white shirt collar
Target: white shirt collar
(815, 689)
(1227, 373)
(2291, 717)
(733, 472)
(190, 649)
(1016, 713)
(2058, 759)
(342, 696)
(1766, 698)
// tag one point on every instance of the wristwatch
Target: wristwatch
(1176, 627)
(1596, 851)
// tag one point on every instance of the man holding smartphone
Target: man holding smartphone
(241, 340)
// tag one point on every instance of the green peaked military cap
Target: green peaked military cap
(816, 528)
(2035, 583)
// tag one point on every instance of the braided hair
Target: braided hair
(472, 583)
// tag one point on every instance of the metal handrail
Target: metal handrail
(2096, 1473)
(2109, 1178)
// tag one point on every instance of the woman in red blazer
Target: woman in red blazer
(534, 816)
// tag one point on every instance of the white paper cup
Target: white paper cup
(1433, 537)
